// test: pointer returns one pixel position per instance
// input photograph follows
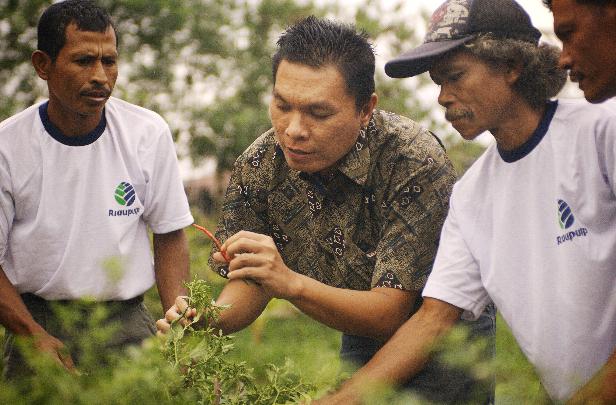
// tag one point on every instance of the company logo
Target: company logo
(125, 196)
(565, 216)
(566, 221)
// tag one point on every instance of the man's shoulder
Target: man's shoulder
(579, 111)
(396, 137)
(25, 117)
(123, 110)
(264, 145)
(396, 134)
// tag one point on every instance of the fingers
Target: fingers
(180, 310)
(245, 239)
(181, 303)
(66, 359)
(162, 327)
(252, 273)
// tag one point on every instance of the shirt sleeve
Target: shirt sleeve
(606, 149)
(414, 210)
(243, 210)
(455, 277)
(7, 209)
(166, 205)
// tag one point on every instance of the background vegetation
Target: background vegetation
(204, 65)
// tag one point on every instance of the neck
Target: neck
(522, 121)
(73, 123)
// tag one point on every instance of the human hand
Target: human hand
(179, 310)
(255, 257)
(48, 344)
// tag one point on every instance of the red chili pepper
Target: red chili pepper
(216, 241)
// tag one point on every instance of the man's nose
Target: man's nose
(99, 74)
(295, 129)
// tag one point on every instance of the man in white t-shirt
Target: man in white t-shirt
(532, 224)
(82, 177)
(587, 29)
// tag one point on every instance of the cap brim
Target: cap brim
(420, 59)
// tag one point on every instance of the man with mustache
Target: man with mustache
(338, 207)
(532, 224)
(82, 176)
(587, 29)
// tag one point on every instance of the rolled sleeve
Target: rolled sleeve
(415, 211)
(166, 204)
(7, 210)
(456, 278)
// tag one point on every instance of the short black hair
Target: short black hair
(548, 3)
(319, 42)
(86, 14)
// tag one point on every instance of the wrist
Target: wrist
(297, 287)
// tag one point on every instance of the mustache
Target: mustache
(456, 114)
(97, 92)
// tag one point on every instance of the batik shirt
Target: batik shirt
(375, 222)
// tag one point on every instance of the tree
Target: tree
(205, 64)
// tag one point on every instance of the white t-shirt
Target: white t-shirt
(537, 235)
(74, 212)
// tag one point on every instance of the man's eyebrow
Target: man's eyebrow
(278, 96)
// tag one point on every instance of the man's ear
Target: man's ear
(367, 109)
(42, 63)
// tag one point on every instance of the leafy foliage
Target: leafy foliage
(191, 365)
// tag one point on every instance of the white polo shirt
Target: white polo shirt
(74, 212)
(537, 235)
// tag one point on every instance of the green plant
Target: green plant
(190, 365)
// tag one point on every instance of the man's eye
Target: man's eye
(321, 115)
(83, 61)
(283, 107)
(109, 61)
(454, 77)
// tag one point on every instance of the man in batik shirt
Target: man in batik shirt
(338, 208)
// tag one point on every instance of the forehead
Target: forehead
(84, 41)
(302, 83)
(569, 12)
(455, 60)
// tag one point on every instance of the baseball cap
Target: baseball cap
(457, 22)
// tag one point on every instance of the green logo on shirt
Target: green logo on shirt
(125, 194)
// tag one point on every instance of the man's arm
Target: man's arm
(376, 313)
(15, 316)
(403, 356)
(601, 389)
(171, 265)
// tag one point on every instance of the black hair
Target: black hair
(548, 3)
(86, 14)
(319, 42)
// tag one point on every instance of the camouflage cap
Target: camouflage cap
(456, 22)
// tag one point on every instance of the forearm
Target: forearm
(405, 354)
(14, 314)
(245, 301)
(601, 389)
(171, 265)
(377, 313)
